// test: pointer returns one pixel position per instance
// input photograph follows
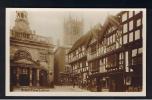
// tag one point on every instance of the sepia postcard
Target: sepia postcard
(75, 52)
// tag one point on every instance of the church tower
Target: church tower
(73, 30)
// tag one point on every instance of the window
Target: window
(131, 37)
(134, 52)
(131, 70)
(139, 50)
(93, 49)
(24, 71)
(83, 48)
(138, 22)
(136, 12)
(125, 28)
(126, 60)
(137, 34)
(131, 25)
(111, 61)
(101, 62)
(120, 41)
(130, 14)
(86, 63)
(125, 39)
(121, 57)
(124, 17)
(43, 57)
(76, 52)
(113, 37)
(110, 39)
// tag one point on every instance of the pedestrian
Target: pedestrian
(73, 84)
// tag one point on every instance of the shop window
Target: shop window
(125, 39)
(137, 34)
(131, 37)
(124, 17)
(125, 28)
(131, 25)
(111, 62)
(130, 14)
(138, 22)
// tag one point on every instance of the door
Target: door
(24, 80)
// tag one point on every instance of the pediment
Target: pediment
(24, 61)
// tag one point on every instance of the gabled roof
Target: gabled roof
(81, 41)
(97, 32)
(110, 21)
(85, 39)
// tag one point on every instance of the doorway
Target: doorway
(24, 80)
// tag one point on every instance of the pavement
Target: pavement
(68, 89)
(55, 89)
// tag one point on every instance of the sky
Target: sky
(50, 23)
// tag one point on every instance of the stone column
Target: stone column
(30, 77)
(17, 76)
(37, 77)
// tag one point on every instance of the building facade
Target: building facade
(114, 54)
(60, 65)
(73, 30)
(78, 61)
(31, 56)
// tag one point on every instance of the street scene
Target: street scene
(76, 51)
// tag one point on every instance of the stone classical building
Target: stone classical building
(31, 55)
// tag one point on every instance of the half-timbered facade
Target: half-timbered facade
(77, 58)
(114, 54)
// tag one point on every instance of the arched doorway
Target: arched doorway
(20, 68)
(43, 78)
